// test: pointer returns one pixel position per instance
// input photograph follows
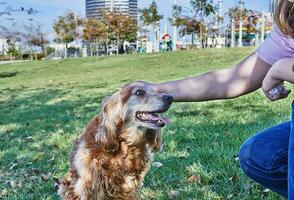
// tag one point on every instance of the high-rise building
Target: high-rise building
(94, 7)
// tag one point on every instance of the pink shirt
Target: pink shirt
(275, 47)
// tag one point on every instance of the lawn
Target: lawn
(45, 105)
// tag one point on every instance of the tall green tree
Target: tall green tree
(177, 19)
(67, 28)
(151, 16)
(203, 9)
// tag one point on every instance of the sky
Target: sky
(49, 10)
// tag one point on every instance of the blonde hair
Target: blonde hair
(284, 16)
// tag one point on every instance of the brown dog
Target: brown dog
(112, 156)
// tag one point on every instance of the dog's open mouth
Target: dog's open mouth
(152, 119)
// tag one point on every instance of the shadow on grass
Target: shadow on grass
(8, 74)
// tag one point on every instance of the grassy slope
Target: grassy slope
(46, 105)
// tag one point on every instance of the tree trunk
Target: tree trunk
(97, 49)
(106, 44)
(31, 52)
(44, 51)
(65, 53)
(117, 48)
(91, 49)
(156, 38)
(106, 47)
(201, 37)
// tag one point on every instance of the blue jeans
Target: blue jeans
(268, 158)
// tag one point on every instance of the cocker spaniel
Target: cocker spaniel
(114, 153)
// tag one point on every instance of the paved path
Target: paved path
(13, 61)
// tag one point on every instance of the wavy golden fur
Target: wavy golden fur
(114, 153)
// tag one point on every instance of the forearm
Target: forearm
(244, 78)
(284, 70)
(208, 86)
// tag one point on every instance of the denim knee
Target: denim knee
(259, 166)
(253, 158)
(245, 156)
(264, 157)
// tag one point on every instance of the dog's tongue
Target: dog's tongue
(166, 120)
(162, 121)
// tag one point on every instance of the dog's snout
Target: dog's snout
(168, 98)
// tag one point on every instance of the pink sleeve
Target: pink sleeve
(275, 47)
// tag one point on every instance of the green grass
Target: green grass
(45, 105)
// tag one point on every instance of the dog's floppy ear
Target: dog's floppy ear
(157, 142)
(110, 120)
(153, 138)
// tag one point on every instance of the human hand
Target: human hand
(273, 87)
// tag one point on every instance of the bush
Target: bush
(50, 50)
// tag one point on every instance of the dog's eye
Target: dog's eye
(140, 93)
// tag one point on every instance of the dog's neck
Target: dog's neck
(137, 136)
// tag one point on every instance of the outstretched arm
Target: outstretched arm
(245, 77)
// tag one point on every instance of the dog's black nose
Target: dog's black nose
(168, 98)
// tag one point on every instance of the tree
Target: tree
(67, 28)
(186, 24)
(95, 31)
(203, 9)
(234, 14)
(151, 16)
(12, 36)
(177, 19)
(35, 37)
(190, 26)
(121, 27)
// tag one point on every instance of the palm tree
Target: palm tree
(176, 21)
(234, 14)
(203, 9)
(151, 16)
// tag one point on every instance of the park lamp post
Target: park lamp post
(241, 2)
(175, 31)
(262, 26)
(219, 16)
(232, 33)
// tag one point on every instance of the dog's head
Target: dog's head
(133, 114)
